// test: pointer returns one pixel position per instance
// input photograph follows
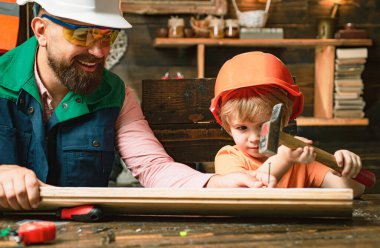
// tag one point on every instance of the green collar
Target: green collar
(19, 68)
(17, 72)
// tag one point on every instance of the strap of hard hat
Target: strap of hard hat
(36, 9)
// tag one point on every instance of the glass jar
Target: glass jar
(176, 26)
(200, 27)
(231, 29)
(216, 27)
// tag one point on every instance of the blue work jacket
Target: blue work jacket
(76, 147)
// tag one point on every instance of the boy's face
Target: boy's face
(246, 135)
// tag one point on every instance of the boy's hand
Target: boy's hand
(349, 161)
(267, 180)
(304, 155)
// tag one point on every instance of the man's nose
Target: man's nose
(98, 49)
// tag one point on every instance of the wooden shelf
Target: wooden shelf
(323, 66)
(310, 121)
(186, 42)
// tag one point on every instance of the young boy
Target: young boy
(246, 89)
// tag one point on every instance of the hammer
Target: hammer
(271, 137)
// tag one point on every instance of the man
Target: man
(62, 114)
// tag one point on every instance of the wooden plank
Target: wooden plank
(192, 143)
(201, 60)
(324, 81)
(225, 202)
(304, 78)
(216, 7)
(178, 42)
(177, 101)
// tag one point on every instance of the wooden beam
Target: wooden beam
(215, 7)
(324, 81)
(309, 121)
(201, 60)
(210, 202)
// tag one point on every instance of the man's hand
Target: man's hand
(19, 187)
(248, 179)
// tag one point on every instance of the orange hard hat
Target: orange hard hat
(255, 69)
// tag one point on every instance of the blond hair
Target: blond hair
(254, 104)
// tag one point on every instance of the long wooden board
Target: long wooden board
(209, 202)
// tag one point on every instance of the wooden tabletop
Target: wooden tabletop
(362, 230)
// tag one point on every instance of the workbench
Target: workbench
(362, 230)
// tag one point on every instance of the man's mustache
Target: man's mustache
(89, 59)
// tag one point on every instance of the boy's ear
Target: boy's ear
(228, 130)
(39, 28)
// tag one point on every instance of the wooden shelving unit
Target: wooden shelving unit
(324, 68)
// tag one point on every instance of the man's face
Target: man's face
(80, 73)
(79, 68)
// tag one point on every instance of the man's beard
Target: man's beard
(73, 77)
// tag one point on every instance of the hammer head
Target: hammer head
(270, 132)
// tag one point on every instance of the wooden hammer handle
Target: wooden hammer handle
(364, 177)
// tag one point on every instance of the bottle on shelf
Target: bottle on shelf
(216, 28)
(176, 27)
(231, 29)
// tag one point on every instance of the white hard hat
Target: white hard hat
(104, 13)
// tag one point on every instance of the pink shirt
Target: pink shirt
(46, 98)
(139, 148)
(144, 154)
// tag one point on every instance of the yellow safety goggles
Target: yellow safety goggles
(87, 36)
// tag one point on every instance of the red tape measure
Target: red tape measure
(37, 232)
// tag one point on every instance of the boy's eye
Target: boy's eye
(241, 128)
